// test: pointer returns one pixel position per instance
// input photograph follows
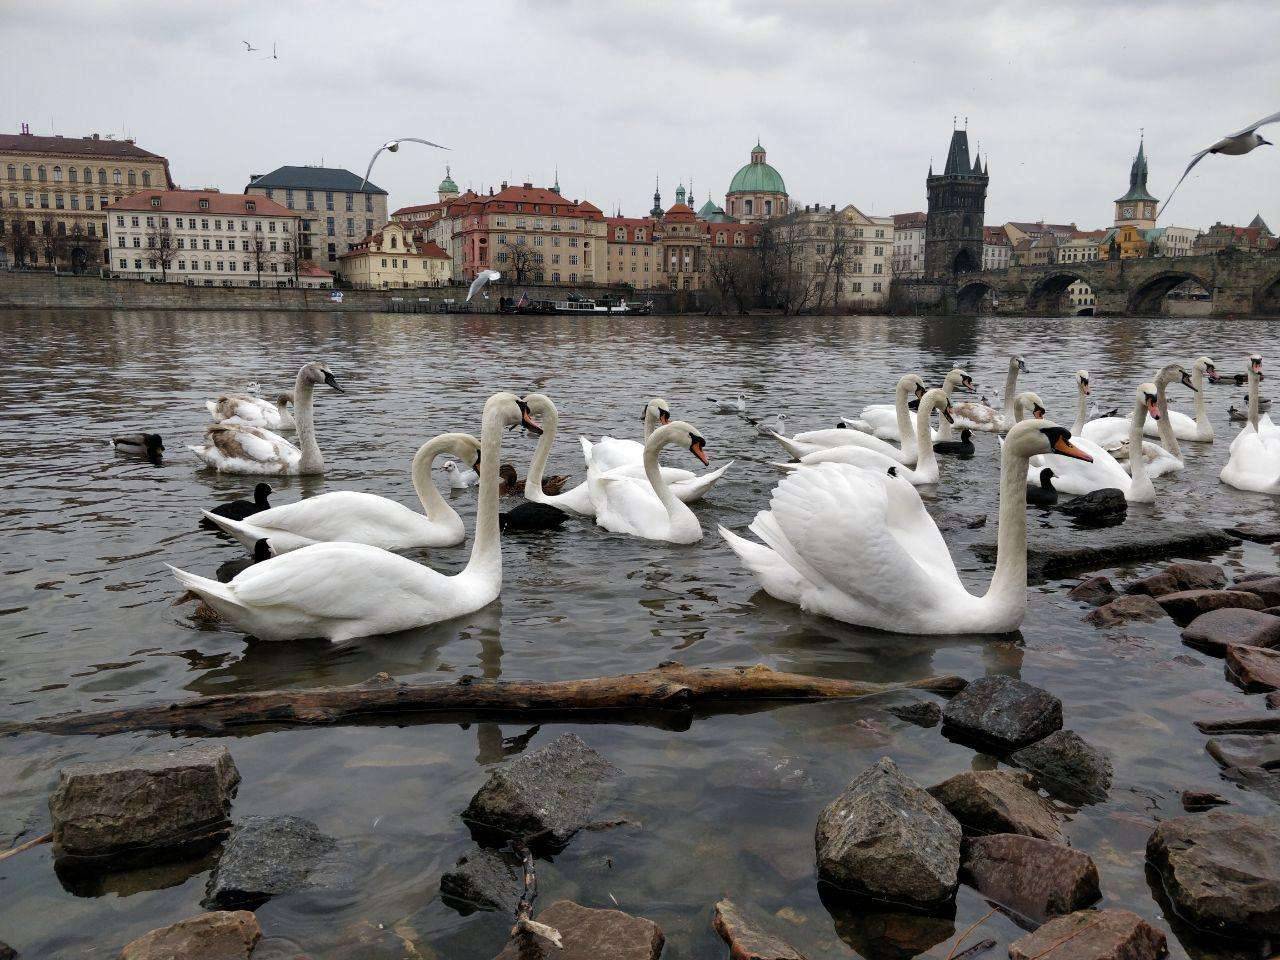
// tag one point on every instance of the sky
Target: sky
(851, 98)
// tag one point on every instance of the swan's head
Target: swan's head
(317, 373)
(1031, 437)
(1255, 364)
(1175, 373)
(467, 449)
(1082, 381)
(937, 399)
(958, 379)
(912, 383)
(1207, 367)
(1146, 397)
(1028, 404)
(657, 410)
(680, 433)
(1018, 364)
(284, 399)
(513, 412)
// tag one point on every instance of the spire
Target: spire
(556, 186)
(958, 155)
(1138, 176)
(657, 199)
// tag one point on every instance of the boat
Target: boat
(574, 305)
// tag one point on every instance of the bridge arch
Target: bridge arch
(1147, 298)
(1266, 300)
(972, 294)
(1046, 295)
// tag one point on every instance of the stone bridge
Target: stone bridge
(1242, 284)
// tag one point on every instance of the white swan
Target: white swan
(1104, 472)
(882, 419)
(859, 547)
(980, 416)
(1254, 464)
(364, 517)
(345, 590)
(1197, 429)
(646, 507)
(926, 469)
(230, 448)
(1113, 433)
(252, 411)
(811, 441)
(1082, 403)
(686, 485)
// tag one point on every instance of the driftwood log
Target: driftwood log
(670, 696)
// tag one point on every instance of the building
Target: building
(1081, 246)
(1257, 236)
(997, 251)
(1037, 251)
(1137, 208)
(957, 201)
(204, 238)
(908, 244)
(846, 256)
(632, 255)
(1124, 243)
(1023, 230)
(394, 258)
(311, 276)
(334, 210)
(756, 192)
(424, 214)
(55, 192)
(1176, 241)
(682, 242)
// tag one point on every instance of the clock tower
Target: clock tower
(1137, 207)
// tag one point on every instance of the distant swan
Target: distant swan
(251, 411)
(979, 416)
(1254, 464)
(811, 441)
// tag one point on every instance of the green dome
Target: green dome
(757, 176)
(447, 185)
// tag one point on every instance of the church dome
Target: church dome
(447, 185)
(757, 176)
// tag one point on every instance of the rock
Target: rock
(1246, 751)
(1068, 767)
(998, 801)
(923, 713)
(1253, 669)
(1250, 577)
(1097, 506)
(595, 934)
(159, 806)
(1273, 700)
(1126, 608)
(1266, 588)
(211, 936)
(268, 856)
(747, 937)
(549, 792)
(7, 952)
(1094, 591)
(1033, 877)
(366, 940)
(1155, 585)
(887, 838)
(1197, 575)
(1092, 935)
(1197, 801)
(483, 880)
(1221, 871)
(1185, 605)
(1001, 712)
(1257, 532)
(1216, 630)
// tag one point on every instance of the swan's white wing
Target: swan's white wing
(1254, 126)
(628, 505)
(610, 452)
(1107, 430)
(340, 515)
(835, 437)
(1076, 476)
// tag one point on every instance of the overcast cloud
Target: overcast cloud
(851, 99)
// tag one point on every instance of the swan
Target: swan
(1112, 433)
(363, 517)
(1254, 463)
(980, 416)
(858, 546)
(250, 411)
(1104, 472)
(460, 477)
(341, 591)
(882, 420)
(811, 441)
(149, 446)
(610, 452)
(646, 508)
(686, 486)
(926, 470)
(738, 405)
(230, 448)
(1197, 429)
(240, 509)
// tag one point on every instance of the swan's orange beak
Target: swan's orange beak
(1153, 411)
(527, 421)
(698, 448)
(1064, 446)
(1038, 412)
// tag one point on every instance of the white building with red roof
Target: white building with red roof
(397, 257)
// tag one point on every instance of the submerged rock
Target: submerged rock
(886, 837)
(157, 806)
(1033, 877)
(1184, 575)
(1068, 767)
(211, 936)
(1092, 935)
(1185, 605)
(923, 713)
(999, 801)
(549, 792)
(886, 931)
(1001, 712)
(1126, 608)
(1094, 591)
(1245, 751)
(268, 856)
(1215, 631)
(1257, 532)
(483, 880)
(1253, 669)
(1197, 801)
(1100, 505)
(593, 935)
(748, 937)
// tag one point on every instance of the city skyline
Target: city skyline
(846, 98)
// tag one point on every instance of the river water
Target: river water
(726, 807)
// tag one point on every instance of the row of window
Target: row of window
(48, 228)
(59, 201)
(538, 258)
(73, 175)
(135, 221)
(395, 263)
(223, 266)
(351, 227)
(163, 242)
(328, 199)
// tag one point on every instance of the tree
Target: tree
(830, 248)
(785, 280)
(21, 242)
(521, 264)
(733, 277)
(160, 245)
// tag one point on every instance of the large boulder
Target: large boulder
(999, 801)
(1221, 871)
(1253, 669)
(1267, 588)
(1002, 713)
(1216, 630)
(887, 838)
(1096, 507)
(1125, 609)
(268, 856)
(1185, 605)
(748, 935)
(1033, 877)
(1257, 532)
(1245, 751)
(157, 806)
(1068, 767)
(483, 880)
(1183, 575)
(220, 935)
(589, 934)
(1094, 591)
(548, 793)
(1092, 935)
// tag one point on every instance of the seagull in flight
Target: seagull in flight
(1233, 145)
(248, 47)
(393, 146)
(482, 278)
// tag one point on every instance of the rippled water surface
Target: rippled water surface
(725, 807)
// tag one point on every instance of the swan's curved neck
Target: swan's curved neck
(1167, 438)
(650, 421)
(486, 549)
(1137, 462)
(538, 465)
(901, 411)
(653, 471)
(1197, 381)
(1254, 402)
(1082, 411)
(312, 461)
(433, 504)
(1010, 388)
(1008, 590)
(926, 460)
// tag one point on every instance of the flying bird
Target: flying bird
(1233, 145)
(393, 146)
(248, 47)
(482, 278)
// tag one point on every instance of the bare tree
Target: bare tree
(521, 263)
(160, 245)
(785, 279)
(21, 243)
(830, 247)
(733, 277)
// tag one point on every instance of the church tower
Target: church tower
(1137, 207)
(657, 200)
(957, 204)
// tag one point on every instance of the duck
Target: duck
(963, 447)
(1254, 462)
(343, 591)
(738, 405)
(512, 485)
(149, 446)
(980, 416)
(252, 411)
(646, 507)
(229, 570)
(367, 518)
(529, 516)
(242, 509)
(811, 441)
(461, 477)
(926, 469)
(1043, 494)
(858, 546)
(686, 486)
(232, 448)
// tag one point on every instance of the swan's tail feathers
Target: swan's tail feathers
(778, 578)
(860, 425)
(217, 595)
(788, 467)
(788, 445)
(712, 476)
(236, 528)
(212, 407)
(587, 448)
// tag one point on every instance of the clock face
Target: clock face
(1127, 212)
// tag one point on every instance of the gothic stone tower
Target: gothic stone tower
(957, 202)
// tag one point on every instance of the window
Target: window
(182, 264)
(204, 244)
(57, 174)
(384, 261)
(368, 226)
(204, 205)
(217, 224)
(328, 223)
(57, 201)
(124, 264)
(328, 200)
(44, 201)
(137, 241)
(368, 204)
(13, 172)
(348, 201)
(146, 178)
(31, 199)
(137, 264)
(121, 243)
(40, 174)
(75, 201)
(133, 222)
(232, 266)
(115, 177)
(133, 178)
(151, 221)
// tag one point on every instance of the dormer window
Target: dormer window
(155, 202)
(250, 206)
(204, 203)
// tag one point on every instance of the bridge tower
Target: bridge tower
(957, 204)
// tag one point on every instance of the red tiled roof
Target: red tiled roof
(1041, 227)
(995, 235)
(548, 203)
(433, 250)
(188, 201)
(903, 220)
(75, 146)
(1087, 235)
(307, 269)
(418, 208)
